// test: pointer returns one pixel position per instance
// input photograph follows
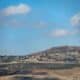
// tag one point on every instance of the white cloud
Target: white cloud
(75, 20)
(63, 33)
(18, 9)
(59, 33)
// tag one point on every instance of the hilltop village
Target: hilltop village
(43, 65)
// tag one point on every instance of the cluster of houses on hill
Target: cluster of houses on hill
(57, 55)
(65, 54)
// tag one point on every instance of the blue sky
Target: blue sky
(28, 26)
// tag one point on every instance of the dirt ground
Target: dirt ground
(6, 78)
(68, 74)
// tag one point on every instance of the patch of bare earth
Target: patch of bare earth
(63, 74)
(6, 78)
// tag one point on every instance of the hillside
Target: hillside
(63, 54)
(68, 54)
(57, 63)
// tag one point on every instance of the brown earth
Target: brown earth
(68, 74)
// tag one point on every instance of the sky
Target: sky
(28, 26)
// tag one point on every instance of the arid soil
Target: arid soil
(6, 78)
(68, 74)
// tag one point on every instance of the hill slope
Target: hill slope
(68, 54)
(62, 54)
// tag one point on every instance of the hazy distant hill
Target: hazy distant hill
(53, 55)
(57, 54)
(65, 57)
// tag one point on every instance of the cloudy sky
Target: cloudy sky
(28, 26)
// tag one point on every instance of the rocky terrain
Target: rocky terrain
(62, 54)
(50, 64)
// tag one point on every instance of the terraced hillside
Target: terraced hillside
(64, 54)
(51, 63)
